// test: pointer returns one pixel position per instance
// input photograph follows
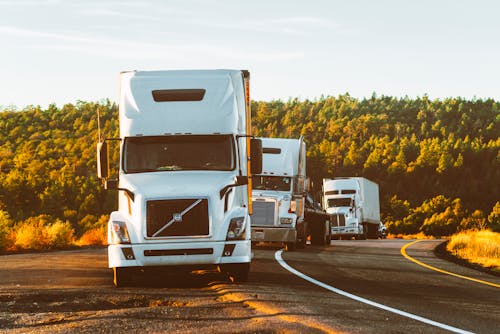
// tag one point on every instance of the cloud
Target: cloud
(114, 13)
(119, 48)
(285, 25)
(29, 2)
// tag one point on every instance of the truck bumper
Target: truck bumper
(350, 231)
(179, 254)
(274, 234)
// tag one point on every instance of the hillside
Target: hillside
(433, 159)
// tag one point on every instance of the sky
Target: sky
(69, 50)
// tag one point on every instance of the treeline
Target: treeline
(428, 156)
(420, 151)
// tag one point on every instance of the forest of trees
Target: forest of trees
(437, 162)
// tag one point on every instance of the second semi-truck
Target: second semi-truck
(283, 211)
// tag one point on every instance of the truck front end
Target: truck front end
(340, 198)
(344, 224)
(274, 209)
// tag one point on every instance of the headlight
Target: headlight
(236, 230)
(119, 233)
(286, 220)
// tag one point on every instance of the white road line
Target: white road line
(285, 265)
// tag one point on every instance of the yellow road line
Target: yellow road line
(403, 252)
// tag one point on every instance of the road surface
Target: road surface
(349, 287)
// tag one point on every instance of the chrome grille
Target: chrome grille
(263, 213)
(177, 218)
(338, 220)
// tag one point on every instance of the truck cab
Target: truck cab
(184, 177)
(279, 193)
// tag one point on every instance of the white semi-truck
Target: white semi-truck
(281, 209)
(184, 177)
(278, 193)
(354, 204)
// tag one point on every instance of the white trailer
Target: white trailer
(280, 196)
(354, 204)
(186, 159)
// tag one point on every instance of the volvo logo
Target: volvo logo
(177, 217)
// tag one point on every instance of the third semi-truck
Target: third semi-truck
(354, 204)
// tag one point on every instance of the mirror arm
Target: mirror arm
(238, 181)
(224, 190)
(113, 185)
(129, 193)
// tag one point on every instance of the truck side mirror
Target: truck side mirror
(256, 158)
(240, 180)
(102, 160)
(111, 185)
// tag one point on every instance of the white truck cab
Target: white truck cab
(279, 193)
(184, 173)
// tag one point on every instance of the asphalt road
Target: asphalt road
(364, 287)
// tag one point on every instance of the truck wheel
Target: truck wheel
(318, 234)
(372, 231)
(328, 237)
(237, 271)
(291, 246)
(301, 236)
(122, 276)
(364, 234)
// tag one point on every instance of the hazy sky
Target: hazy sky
(64, 51)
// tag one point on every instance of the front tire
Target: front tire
(364, 235)
(122, 276)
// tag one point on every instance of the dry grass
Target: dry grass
(420, 235)
(481, 247)
(94, 237)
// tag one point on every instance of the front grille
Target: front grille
(338, 220)
(263, 213)
(177, 218)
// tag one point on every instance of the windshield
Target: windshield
(336, 202)
(281, 183)
(184, 152)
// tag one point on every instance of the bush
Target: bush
(6, 225)
(494, 218)
(93, 237)
(43, 232)
(474, 222)
(87, 223)
(444, 218)
(59, 234)
(97, 235)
